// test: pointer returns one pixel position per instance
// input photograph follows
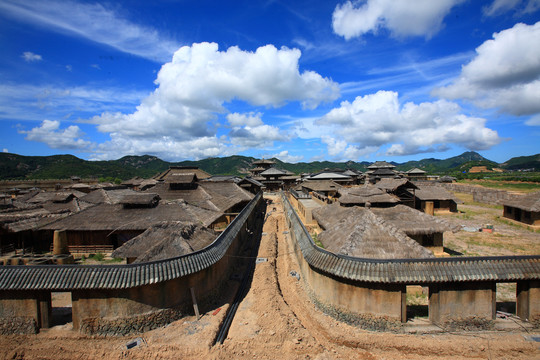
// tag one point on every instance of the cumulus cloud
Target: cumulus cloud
(248, 130)
(375, 120)
(29, 56)
(499, 7)
(49, 132)
(195, 86)
(94, 22)
(400, 17)
(4, 150)
(505, 73)
(286, 157)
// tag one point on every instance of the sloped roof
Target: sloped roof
(116, 217)
(102, 196)
(529, 202)
(329, 176)
(360, 233)
(321, 185)
(413, 222)
(252, 181)
(201, 174)
(381, 165)
(141, 199)
(166, 240)
(367, 193)
(430, 192)
(415, 171)
(274, 172)
(264, 162)
(181, 178)
(383, 172)
(393, 184)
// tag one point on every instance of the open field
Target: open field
(517, 186)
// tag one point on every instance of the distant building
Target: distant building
(523, 208)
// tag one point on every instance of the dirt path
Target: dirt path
(276, 319)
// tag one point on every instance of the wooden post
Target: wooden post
(195, 306)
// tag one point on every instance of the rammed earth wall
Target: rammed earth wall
(480, 194)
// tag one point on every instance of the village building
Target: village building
(416, 174)
(260, 166)
(251, 185)
(114, 224)
(425, 229)
(166, 240)
(178, 170)
(275, 179)
(401, 188)
(328, 188)
(358, 232)
(434, 199)
(524, 209)
(367, 195)
(331, 175)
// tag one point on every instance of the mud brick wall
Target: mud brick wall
(480, 194)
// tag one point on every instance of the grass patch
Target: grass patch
(316, 240)
(501, 220)
(503, 185)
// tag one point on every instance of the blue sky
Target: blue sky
(393, 80)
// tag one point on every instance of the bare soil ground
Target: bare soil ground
(276, 319)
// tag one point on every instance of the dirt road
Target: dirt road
(276, 319)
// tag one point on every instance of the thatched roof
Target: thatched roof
(174, 170)
(274, 172)
(358, 232)
(383, 172)
(381, 165)
(393, 184)
(181, 178)
(529, 202)
(226, 195)
(264, 162)
(140, 199)
(54, 196)
(116, 217)
(415, 171)
(413, 222)
(166, 240)
(431, 193)
(321, 185)
(216, 196)
(363, 194)
(330, 176)
(102, 196)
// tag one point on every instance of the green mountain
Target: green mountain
(458, 163)
(14, 166)
(523, 163)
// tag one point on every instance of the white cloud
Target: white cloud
(164, 147)
(94, 22)
(286, 157)
(376, 120)
(400, 17)
(533, 121)
(50, 133)
(248, 130)
(499, 7)
(505, 73)
(4, 150)
(195, 86)
(251, 119)
(29, 56)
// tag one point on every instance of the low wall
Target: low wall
(480, 194)
(372, 292)
(120, 299)
(467, 305)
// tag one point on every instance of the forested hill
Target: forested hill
(14, 166)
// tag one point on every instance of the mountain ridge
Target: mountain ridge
(19, 167)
